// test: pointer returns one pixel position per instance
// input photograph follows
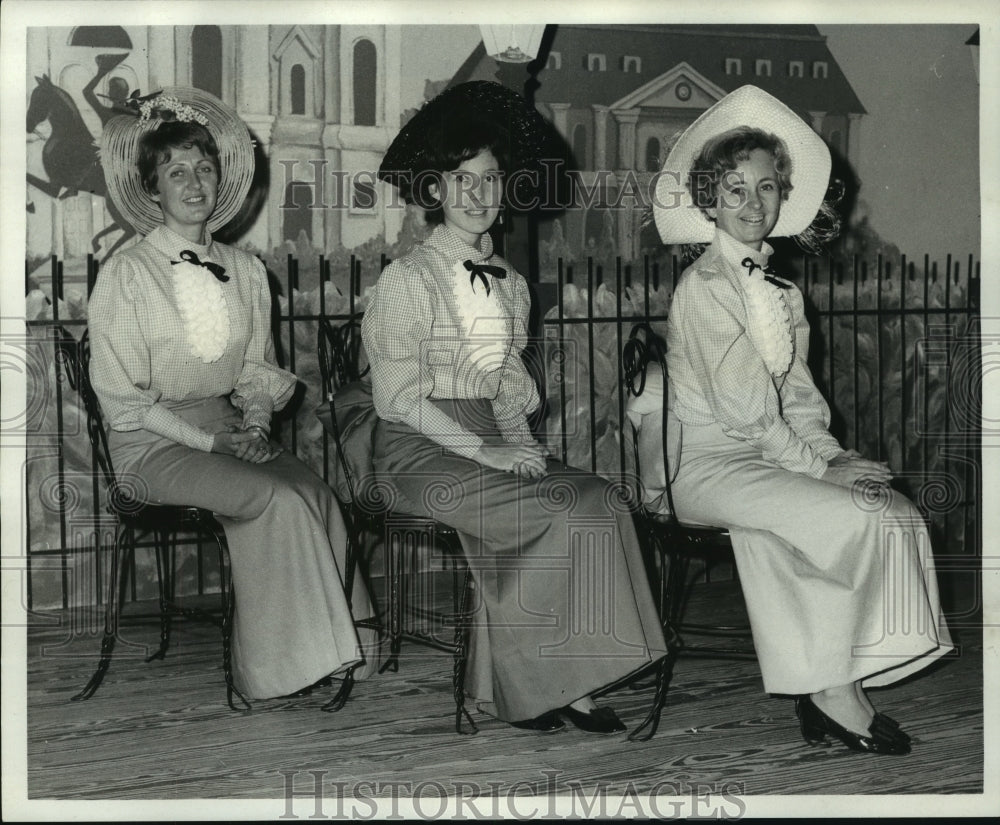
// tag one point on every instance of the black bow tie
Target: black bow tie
(751, 265)
(481, 271)
(190, 257)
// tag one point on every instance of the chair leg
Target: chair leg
(228, 597)
(461, 657)
(394, 553)
(164, 582)
(343, 694)
(116, 582)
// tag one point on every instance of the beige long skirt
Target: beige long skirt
(287, 545)
(566, 606)
(839, 587)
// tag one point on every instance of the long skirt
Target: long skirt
(566, 607)
(287, 546)
(839, 587)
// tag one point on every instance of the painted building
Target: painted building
(619, 94)
(319, 100)
(324, 102)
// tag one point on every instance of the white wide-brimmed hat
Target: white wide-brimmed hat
(120, 152)
(679, 220)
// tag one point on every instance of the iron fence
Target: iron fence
(895, 349)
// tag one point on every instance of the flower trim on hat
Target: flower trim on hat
(168, 103)
(203, 309)
(482, 320)
(769, 324)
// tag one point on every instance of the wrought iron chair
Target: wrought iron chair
(672, 545)
(135, 517)
(363, 503)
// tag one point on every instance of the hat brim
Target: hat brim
(529, 136)
(119, 154)
(679, 220)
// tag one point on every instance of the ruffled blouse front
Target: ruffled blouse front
(434, 330)
(737, 347)
(165, 331)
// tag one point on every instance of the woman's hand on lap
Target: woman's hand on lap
(246, 446)
(849, 468)
(526, 460)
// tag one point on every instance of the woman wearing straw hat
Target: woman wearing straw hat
(567, 609)
(183, 364)
(833, 563)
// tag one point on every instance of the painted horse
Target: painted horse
(70, 156)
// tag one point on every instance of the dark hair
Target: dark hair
(447, 145)
(156, 146)
(723, 153)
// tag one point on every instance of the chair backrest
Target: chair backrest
(339, 353)
(643, 348)
(120, 498)
(352, 422)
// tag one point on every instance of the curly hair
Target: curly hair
(724, 152)
(156, 146)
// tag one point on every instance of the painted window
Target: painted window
(631, 64)
(595, 63)
(206, 59)
(762, 68)
(297, 83)
(554, 61)
(734, 66)
(365, 77)
(580, 145)
(653, 149)
(820, 70)
(796, 68)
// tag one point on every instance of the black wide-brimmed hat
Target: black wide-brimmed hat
(528, 136)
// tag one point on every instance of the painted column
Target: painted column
(627, 119)
(253, 99)
(160, 58)
(559, 112)
(600, 136)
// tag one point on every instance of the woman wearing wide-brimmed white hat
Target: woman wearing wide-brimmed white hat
(183, 364)
(835, 565)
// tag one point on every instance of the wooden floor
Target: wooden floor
(163, 731)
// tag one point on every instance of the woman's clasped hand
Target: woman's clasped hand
(246, 445)
(527, 460)
(850, 468)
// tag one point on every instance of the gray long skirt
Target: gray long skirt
(566, 606)
(287, 544)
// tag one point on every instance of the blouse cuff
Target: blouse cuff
(161, 421)
(257, 410)
(442, 429)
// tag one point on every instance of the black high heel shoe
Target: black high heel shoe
(599, 720)
(889, 727)
(815, 726)
(548, 722)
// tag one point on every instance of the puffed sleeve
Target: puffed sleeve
(120, 361)
(518, 393)
(396, 330)
(802, 405)
(734, 379)
(263, 386)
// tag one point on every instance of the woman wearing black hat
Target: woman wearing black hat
(183, 364)
(567, 608)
